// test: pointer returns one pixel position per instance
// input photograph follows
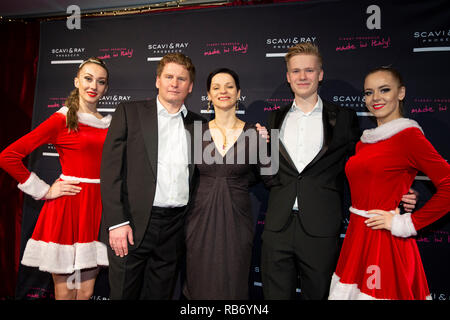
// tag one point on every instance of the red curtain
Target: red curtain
(18, 64)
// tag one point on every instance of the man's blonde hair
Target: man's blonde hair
(304, 48)
(177, 58)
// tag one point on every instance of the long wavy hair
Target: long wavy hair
(73, 100)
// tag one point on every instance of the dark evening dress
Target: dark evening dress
(219, 226)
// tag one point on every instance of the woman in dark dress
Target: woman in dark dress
(219, 226)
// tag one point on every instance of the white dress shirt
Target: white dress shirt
(302, 135)
(172, 181)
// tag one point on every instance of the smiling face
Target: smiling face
(223, 92)
(92, 83)
(304, 74)
(383, 94)
(174, 84)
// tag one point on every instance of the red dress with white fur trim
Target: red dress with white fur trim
(65, 237)
(382, 264)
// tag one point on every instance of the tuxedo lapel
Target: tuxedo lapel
(188, 121)
(329, 122)
(279, 118)
(149, 125)
(277, 125)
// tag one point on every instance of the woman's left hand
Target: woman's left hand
(381, 220)
(262, 132)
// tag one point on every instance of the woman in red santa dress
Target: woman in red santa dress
(64, 240)
(379, 258)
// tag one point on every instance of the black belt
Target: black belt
(167, 210)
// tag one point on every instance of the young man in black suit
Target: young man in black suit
(304, 215)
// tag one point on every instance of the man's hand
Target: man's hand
(409, 200)
(119, 238)
(263, 132)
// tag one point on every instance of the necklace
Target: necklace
(224, 146)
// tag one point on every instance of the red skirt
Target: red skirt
(374, 264)
(65, 237)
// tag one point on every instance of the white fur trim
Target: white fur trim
(402, 226)
(64, 259)
(365, 213)
(85, 180)
(349, 291)
(34, 186)
(387, 130)
(346, 291)
(89, 119)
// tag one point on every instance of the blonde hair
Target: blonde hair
(304, 48)
(177, 58)
(73, 100)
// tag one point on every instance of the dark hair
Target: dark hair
(391, 70)
(222, 70)
(73, 100)
(396, 75)
(177, 58)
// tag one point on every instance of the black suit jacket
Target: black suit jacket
(129, 166)
(319, 187)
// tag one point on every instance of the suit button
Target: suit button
(299, 177)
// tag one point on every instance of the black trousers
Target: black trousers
(291, 254)
(150, 271)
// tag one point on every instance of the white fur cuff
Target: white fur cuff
(34, 186)
(402, 226)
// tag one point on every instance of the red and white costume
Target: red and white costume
(65, 237)
(382, 264)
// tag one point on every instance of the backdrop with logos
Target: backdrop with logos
(353, 36)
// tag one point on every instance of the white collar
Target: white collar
(387, 130)
(318, 107)
(162, 110)
(89, 119)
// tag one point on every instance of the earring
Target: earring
(209, 106)
(237, 105)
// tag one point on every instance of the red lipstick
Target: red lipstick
(378, 106)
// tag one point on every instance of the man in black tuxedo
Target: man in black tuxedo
(146, 181)
(304, 214)
(303, 219)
